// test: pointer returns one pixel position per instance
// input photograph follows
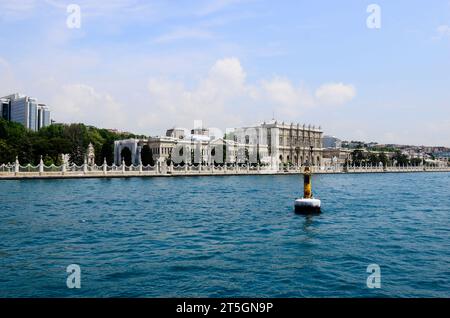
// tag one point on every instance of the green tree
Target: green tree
(373, 159)
(416, 161)
(383, 159)
(77, 135)
(48, 161)
(107, 152)
(357, 157)
(7, 154)
(400, 158)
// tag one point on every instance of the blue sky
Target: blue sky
(145, 66)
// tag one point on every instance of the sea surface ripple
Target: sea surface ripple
(226, 236)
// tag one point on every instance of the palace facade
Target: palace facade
(287, 143)
(180, 147)
(270, 143)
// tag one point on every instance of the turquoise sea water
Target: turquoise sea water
(226, 236)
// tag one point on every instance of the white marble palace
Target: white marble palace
(269, 143)
(287, 143)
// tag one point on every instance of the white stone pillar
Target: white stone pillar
(16, 166)
(41, 166)
(85, 166)
(64, 167)
(123, 166)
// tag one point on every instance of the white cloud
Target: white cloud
(335, 93)
(282, 92)
(442, 31)
(224, 98)
(75, 103)
(214, 99)
(221, 96)
(226, 78)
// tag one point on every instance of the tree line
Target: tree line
(359, 158)
(52, 141)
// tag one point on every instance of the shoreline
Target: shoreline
(125, 175)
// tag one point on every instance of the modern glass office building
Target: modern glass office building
(43, 119)
(5, 109)
(25, 110)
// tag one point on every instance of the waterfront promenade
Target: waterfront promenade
(41, 171)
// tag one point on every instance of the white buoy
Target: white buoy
(307, 206)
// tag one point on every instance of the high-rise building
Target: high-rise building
(5, 109)
(43, 116)
(26, 111)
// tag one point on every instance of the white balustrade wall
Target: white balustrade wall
(16, 170)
